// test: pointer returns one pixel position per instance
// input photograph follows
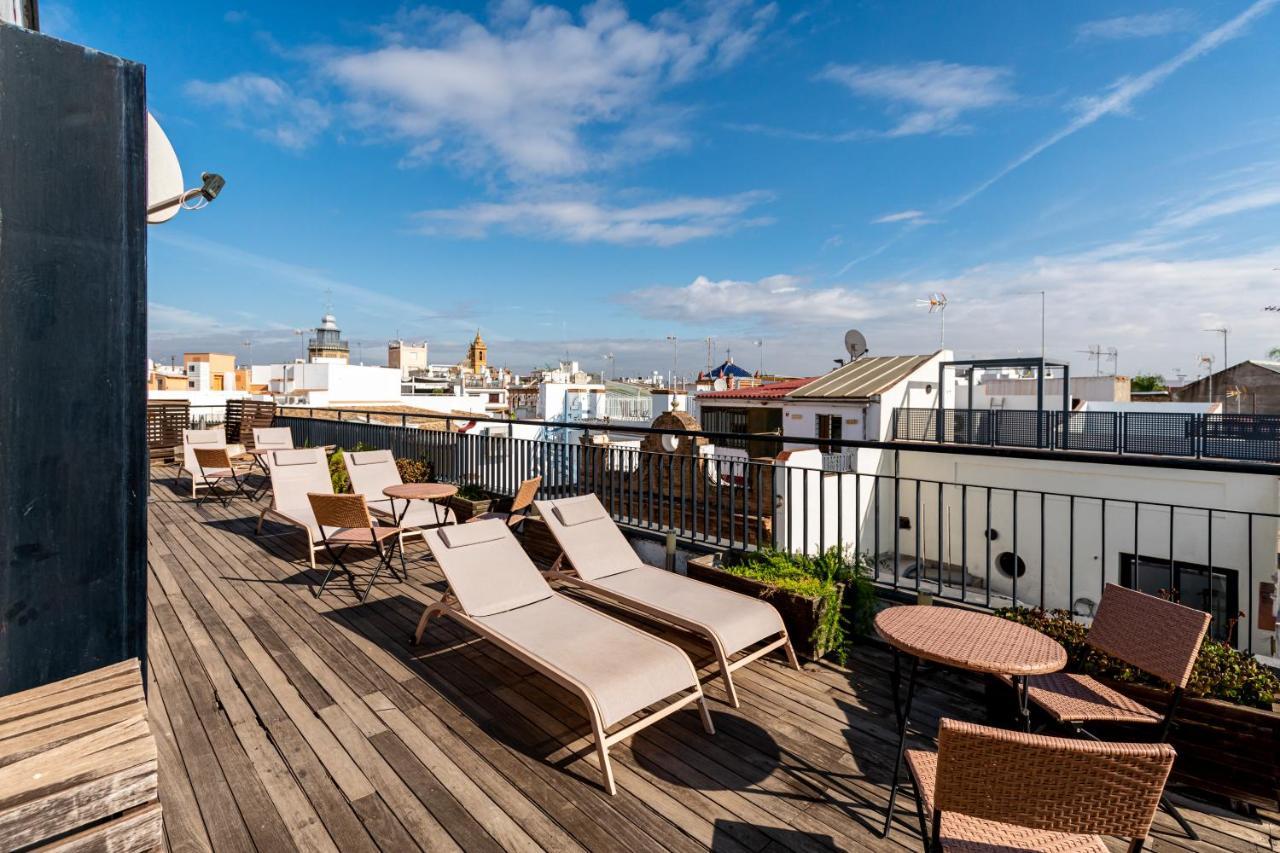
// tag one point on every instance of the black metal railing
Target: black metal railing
(919, 526)
(1241, 437)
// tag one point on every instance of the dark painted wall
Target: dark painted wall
(1261, 395)
(73, 277)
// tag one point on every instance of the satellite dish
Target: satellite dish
(721, 384)
(855, 344)
(164, 173)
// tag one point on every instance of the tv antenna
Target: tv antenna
(1207, 361)
(855, 343)
(1239, 392)
(1222, 330)
(937, 304)
(608, 357)
(1098, 355)
(248, 346)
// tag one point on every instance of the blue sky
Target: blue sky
(592, 178)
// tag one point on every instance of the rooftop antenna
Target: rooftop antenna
(1097, 354)
(760, 346)
(1222, 330)
(608, 357)
(937, 303)
(855, 343)
(248, 345)
(710, 343)
(1207, 361)
(1238, 392)
(674, 348)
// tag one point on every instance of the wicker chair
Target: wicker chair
(520, 505)
(214, 465)
(344, 521)
(996, 790)
(1157, 636)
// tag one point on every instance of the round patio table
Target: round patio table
(433, 492)
(964, 639)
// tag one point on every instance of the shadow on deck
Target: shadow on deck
(290, 722)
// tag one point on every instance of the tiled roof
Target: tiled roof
(863, 378)
(728, 368)
(768, 391)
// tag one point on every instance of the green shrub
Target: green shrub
(833, 576)
(1221, 671)
(472, 492)
(338, 470)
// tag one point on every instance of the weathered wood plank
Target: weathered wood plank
(455, 745)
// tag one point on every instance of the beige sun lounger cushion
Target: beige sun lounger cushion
(598, 547)
(371, 471)
(738, 620)
(623, 668)
(273, 438)
(294, 473)
(601, 555)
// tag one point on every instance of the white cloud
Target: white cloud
(1122, 93)
(929, 97)
(269, 106)
(531, 91)
(1150, 308)
(1255, 198)
(783, 300)
(913, 216)
(1136, 26)
(170, 319)
(661, 223)
(287, 272)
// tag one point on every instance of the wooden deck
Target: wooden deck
(284, 721)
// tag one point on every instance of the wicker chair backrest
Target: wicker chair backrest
(210, 458)
(1050, 783)
(1158, 636)
(345, 511)
(526, 493)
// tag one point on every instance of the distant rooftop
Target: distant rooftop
(769, 391)
(862, 379)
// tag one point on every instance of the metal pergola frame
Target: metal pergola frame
(1040, 365)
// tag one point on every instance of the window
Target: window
(829, 427)
(724, 420)
(1191, 586)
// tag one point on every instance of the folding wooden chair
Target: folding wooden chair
(214, 465)
(988, 789)
(520, 505)
(1157, 636)
(344, 521)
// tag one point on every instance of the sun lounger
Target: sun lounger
(371, 471)
(295, 473)
(206, 438)
(272, 438)
(617, 671)
(604, 563)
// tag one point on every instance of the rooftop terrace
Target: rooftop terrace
(289, 721)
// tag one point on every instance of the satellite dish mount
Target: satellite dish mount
(855, 343)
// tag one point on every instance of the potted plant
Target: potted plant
(823, 599)
(470, 500)
(1227, 728)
